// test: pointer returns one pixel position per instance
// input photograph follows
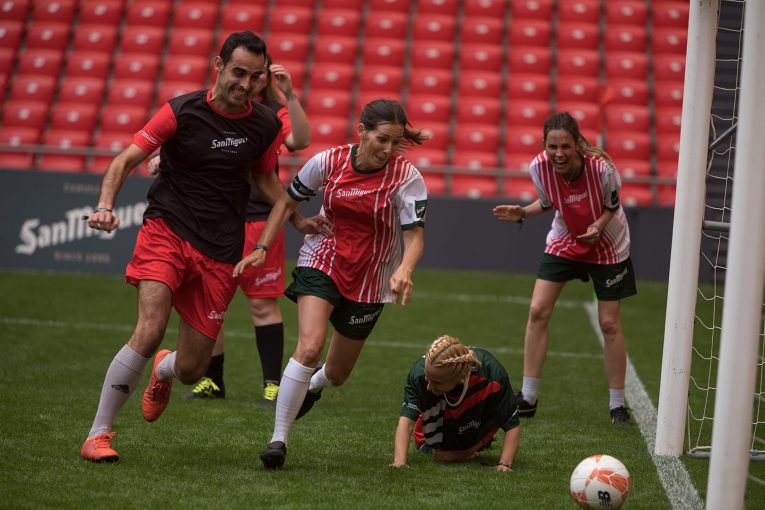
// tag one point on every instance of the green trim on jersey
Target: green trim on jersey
(489, 404)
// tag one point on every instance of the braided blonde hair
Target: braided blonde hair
(448, 352)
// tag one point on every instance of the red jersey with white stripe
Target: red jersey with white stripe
(577, 205)
(368, 208)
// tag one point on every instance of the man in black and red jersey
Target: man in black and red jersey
(193, 231)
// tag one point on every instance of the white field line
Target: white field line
(681, 492)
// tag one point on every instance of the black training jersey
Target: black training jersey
(207, 157)
(489, 404)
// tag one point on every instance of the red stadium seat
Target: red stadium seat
(626, 91)
(343, 4)
(527, 112)
(7, 57)
(336, 49)
(130, 92)
(529, 86)
(474, 186)
(106, 141)
(578, 62)
(670, 14)
(10, 34)
(479, 83)
(61, 139)
(628, 118)
(382, 79)
(477, 138)
(123, 118)
(303, 4)
(148, 13)
(81, 90)
(101, 38)
(430, 82)
(530, 60)
(476, 161)
(376, 6)
(530, 9)
(529, 32)
(478, 110)
(587, 115)
(626, 12)
(25, 114)
(326, 103)
(364, 98)
(668, 94)
(487, 8)
(148, 40)
(523, 141)
(421, 109)
(668, 149)
(480, 30)
(58, 11)
(387, 52)
(101, 12)
(668, 121)
(196, 14)
(290, 20)
(424, 158)
(581, 89)
(297, 72)
(433, 54)
(521, 189)
(446, 7)
(627, 145)
(669, 67)
(332, 77)
(47, 35)
(435, 182)
(33, 87)
(516, 163)
(666, 169)
(187, 69)
(634, 168)
(626, 65)
(667, 195)
(171, 89)
(15, 137)
(16, 10)
(438, 133)
(386, 25)
(244, 17)
(578, 35)
(293, 47)
(40, 61)
(579, 11)
(329, 130)
(136, 66)
(190, 41)
(88, 64)
(636, 195)
(670, 40)
(74, 116)
(434, 27)
(625, 38)
(476, 57)
(336, 22)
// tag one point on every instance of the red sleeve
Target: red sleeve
(160, 128)
(284, 116)
(267, 162)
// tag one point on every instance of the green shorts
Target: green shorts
(349, 318)
(612, 282)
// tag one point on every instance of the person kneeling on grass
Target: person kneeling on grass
(455, 400)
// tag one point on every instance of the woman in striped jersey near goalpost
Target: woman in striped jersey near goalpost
(589, 238)
(370, 194)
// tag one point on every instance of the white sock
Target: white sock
(319, 380)
(529, 389)
(616, 398)
(121, 379)
(166, 367)
(292, 390)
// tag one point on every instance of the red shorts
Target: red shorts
(202, 287)
(266, 280)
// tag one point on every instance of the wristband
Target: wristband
(595, 227)
(506, 464)
(261, 246)
(103, 209)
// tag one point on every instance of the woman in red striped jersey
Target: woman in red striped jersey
(375, 200)
(589, 238)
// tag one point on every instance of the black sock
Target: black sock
(215, 370)
(270, 340)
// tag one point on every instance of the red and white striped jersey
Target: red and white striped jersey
(368, 208)
(577, 205)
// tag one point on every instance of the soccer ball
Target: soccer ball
(600, 481)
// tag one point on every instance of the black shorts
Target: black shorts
(349, 318)
(612, 282)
